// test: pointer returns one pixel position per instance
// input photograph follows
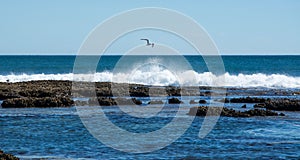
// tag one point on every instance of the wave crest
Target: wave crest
(165, 77)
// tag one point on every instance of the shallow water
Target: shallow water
(59, 133)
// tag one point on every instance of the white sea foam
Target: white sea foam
(165, 77)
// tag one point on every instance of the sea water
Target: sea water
(240, 71)
(58, 133)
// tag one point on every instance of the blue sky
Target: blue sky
(236, 26)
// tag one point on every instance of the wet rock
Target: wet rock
(202, 101)
(202, 110)
(174, 101)
(244, 106)
(26, 102)
(247, 100)
(296, 93)
(137, 101)
(259, 105)
(6, 156)
(7, 93)
(139, 91)
(104, 92)
(102, 101)
(35, 89)
(108, 101)
(207, 93)
(260, 112)
(224, 100)
(214, 111)
(132, 101)
(80, 103)
(193, 102)
(173, 91)
(283, 105)
(156, 102)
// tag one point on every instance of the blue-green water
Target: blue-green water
(240, 71)
(287, 65)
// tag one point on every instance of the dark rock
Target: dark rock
(102, 101)
(202, 111)
(280, 104)
(281, 114)
(173, 91)
(259, 105)
(260, 112)
(207, 93)
(6, 95)
(283, 105)
(108, 101)
(26, 102)
(202, 101)
(247, 100)
(124, 101)
(5, 156)
(38, 89)
(137, 101)
(193, 102)
(296, 93)
(156, 102)
(104, 92)
(174, 101)
(244, 106)
(80, 103)
(139, 91)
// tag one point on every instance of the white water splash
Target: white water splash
(162, 77)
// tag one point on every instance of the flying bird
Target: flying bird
(148, 43)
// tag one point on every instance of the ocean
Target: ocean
(58, 133)
(240, 71)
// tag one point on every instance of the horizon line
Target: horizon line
(118, 54)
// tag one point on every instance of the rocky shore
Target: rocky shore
(280, 105)
(26, 102)
(36, 94)
(59, 94)
(6, 156)
(214, 111)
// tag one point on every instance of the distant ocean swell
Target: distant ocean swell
(165, 77)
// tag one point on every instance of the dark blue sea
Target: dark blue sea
(58, 133)
(239, 71)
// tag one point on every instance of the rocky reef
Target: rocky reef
(245, 100)
(174, 101)
(26, 102)
(36, 94)
(214, 111)
(47, 93)
(280, 105)
(6, 156)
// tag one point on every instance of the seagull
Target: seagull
(148, 43)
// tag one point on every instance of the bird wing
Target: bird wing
(146, 40)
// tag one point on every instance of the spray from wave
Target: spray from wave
(163, 77)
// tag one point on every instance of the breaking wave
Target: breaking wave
(165, 77)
